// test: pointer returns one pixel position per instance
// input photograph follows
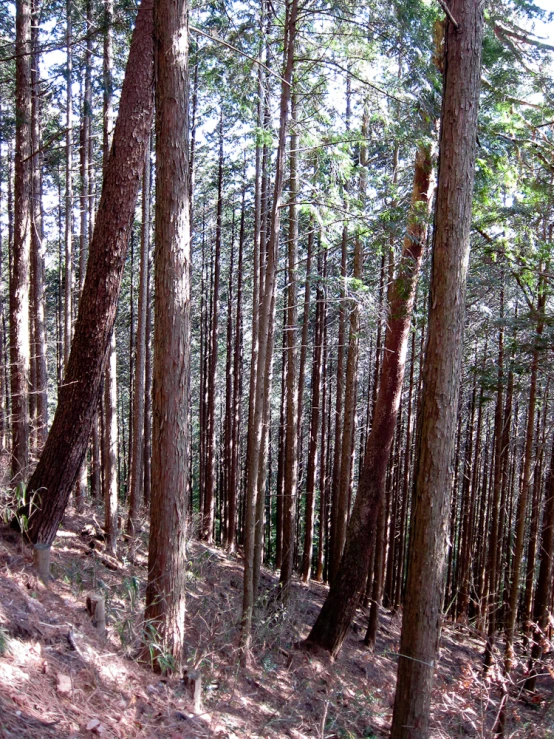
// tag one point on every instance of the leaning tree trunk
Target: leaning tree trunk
(340, 605)
(165, 593)
(63, 453)
(441, 371)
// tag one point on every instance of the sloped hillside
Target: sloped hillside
(60, 678)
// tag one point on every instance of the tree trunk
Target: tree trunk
(210, 482)
(110, 450)
(543, 594)
(442, 366)
(233, 480)
(340, 605)
(136, 487)
(525, 487)
(291, 434)
(312, 446)
(40, 388)
(19, 280)
(489, 594)
(165, 593)
(266, 317)
(63, 453)
(68, 278)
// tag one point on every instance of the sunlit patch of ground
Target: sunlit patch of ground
(58, 676)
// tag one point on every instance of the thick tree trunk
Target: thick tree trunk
(442, 366)
(340, 605)
(165, 593)
(78, 397)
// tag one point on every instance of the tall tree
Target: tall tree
(340, 605)
(63, 453)
(68, 277)
(441, 370)
(265, 339)
(165, 593)
(136, 483)
(38, 317)
(291, 430)
(19, 282)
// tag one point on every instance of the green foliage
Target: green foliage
(4, 642)
(159, 658)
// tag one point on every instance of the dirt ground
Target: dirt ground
(60, 678)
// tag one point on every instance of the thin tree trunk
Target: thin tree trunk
(68, 277)
(323, 480)
(490, 594)
(136, 486)
(312, 446)
(110, 451)
(210, 481)
(266, 317)
(233, 480)
(19, 273)
(148, 392)
(291, 445)
(543, 594)
(37, 259)
(526, 483)
(110, 441)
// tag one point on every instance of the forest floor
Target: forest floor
(59, 678)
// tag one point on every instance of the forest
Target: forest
(276, 450)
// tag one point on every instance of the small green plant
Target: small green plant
(4, 642)
(124, 629)
(18, 507)
(159, 658)
(131, 586)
